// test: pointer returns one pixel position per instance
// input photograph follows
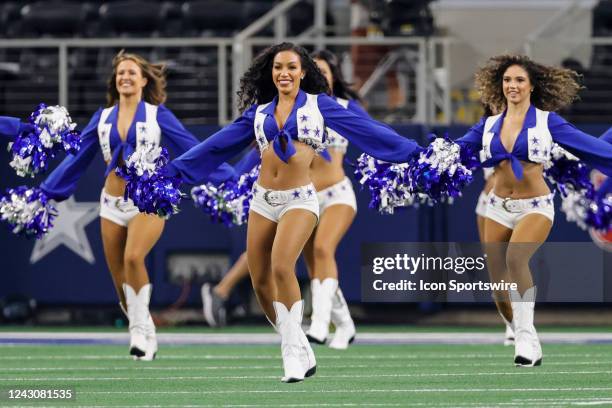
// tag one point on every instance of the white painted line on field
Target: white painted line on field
(334, 376)
(138, 366)
(349, 391)
(14, 338)
(409, 355)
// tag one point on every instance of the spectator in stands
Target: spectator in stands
(135, 116)
(284, 103)
(517, 142)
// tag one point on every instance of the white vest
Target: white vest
(309, 122)
(334, 140)
(147, 132)
(539, 139)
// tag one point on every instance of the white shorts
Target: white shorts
(339, 193)
(509, 212)
(481, 207)
(273, 204)
(116, 209)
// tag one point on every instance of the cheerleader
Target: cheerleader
(283, 97)
(337, 209)
(134, 117)
(517, 142)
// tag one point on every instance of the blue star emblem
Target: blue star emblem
(309, 192)
(142, 128)
(535, 151)
(254, 190)
(492, 201)
(305, 130)
(317, 131)
(261, 140)
(258, 127)
(535, 140)
(535, 203)
(303, 118)
(330, 193)
(296, 194)
(105, 200)
(549, 201)
(143, 142)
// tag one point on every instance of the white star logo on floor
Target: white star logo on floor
(69, 230)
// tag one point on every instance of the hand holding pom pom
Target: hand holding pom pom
(27, 211)
(439, 172)
(146, 184)
(389, 184)
(49, 131)
(568, 173)
(229, 202)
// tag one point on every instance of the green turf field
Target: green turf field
(364, 375)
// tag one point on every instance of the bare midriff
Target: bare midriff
(508, 186)
(114, 185)
(275, 174)
(325, 174)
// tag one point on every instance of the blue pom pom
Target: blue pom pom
(229, 202)
(439, 172)
(147, 186)
(599, 215)
(27, 211)
(568, 173)
(388, 183)
(51, 130)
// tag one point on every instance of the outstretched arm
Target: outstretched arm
(196, 165)
(372, 137)
(593, 151)
(62, 181)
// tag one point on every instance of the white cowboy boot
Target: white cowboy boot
(527, 348)
(138, 316)
(341, 318)
(151, 351)
(322, 294)
(509, 334)
(294, 346)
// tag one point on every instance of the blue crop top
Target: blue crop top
(531, 146)
(368, 135)
(96, 136)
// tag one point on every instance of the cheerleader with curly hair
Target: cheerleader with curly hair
(285, 107)
(517, 142)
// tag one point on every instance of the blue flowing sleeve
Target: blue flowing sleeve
(355, 107)
(62, 181)
(593, 151)
(368, 135)
(196, 165)
(607, 137)
(174, 133)
(248, 162)
(473, 137)
(10, 127)
(181, 140)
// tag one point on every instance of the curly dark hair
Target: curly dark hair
(257, 87)
(154, 91)
(553, 87)
(341, 88)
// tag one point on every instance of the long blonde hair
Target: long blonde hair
(154, 91)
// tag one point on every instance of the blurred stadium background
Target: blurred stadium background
(412, 61)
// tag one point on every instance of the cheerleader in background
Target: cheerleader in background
(337, 209)
(517, 143)
(134, 117)
(284, 103)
